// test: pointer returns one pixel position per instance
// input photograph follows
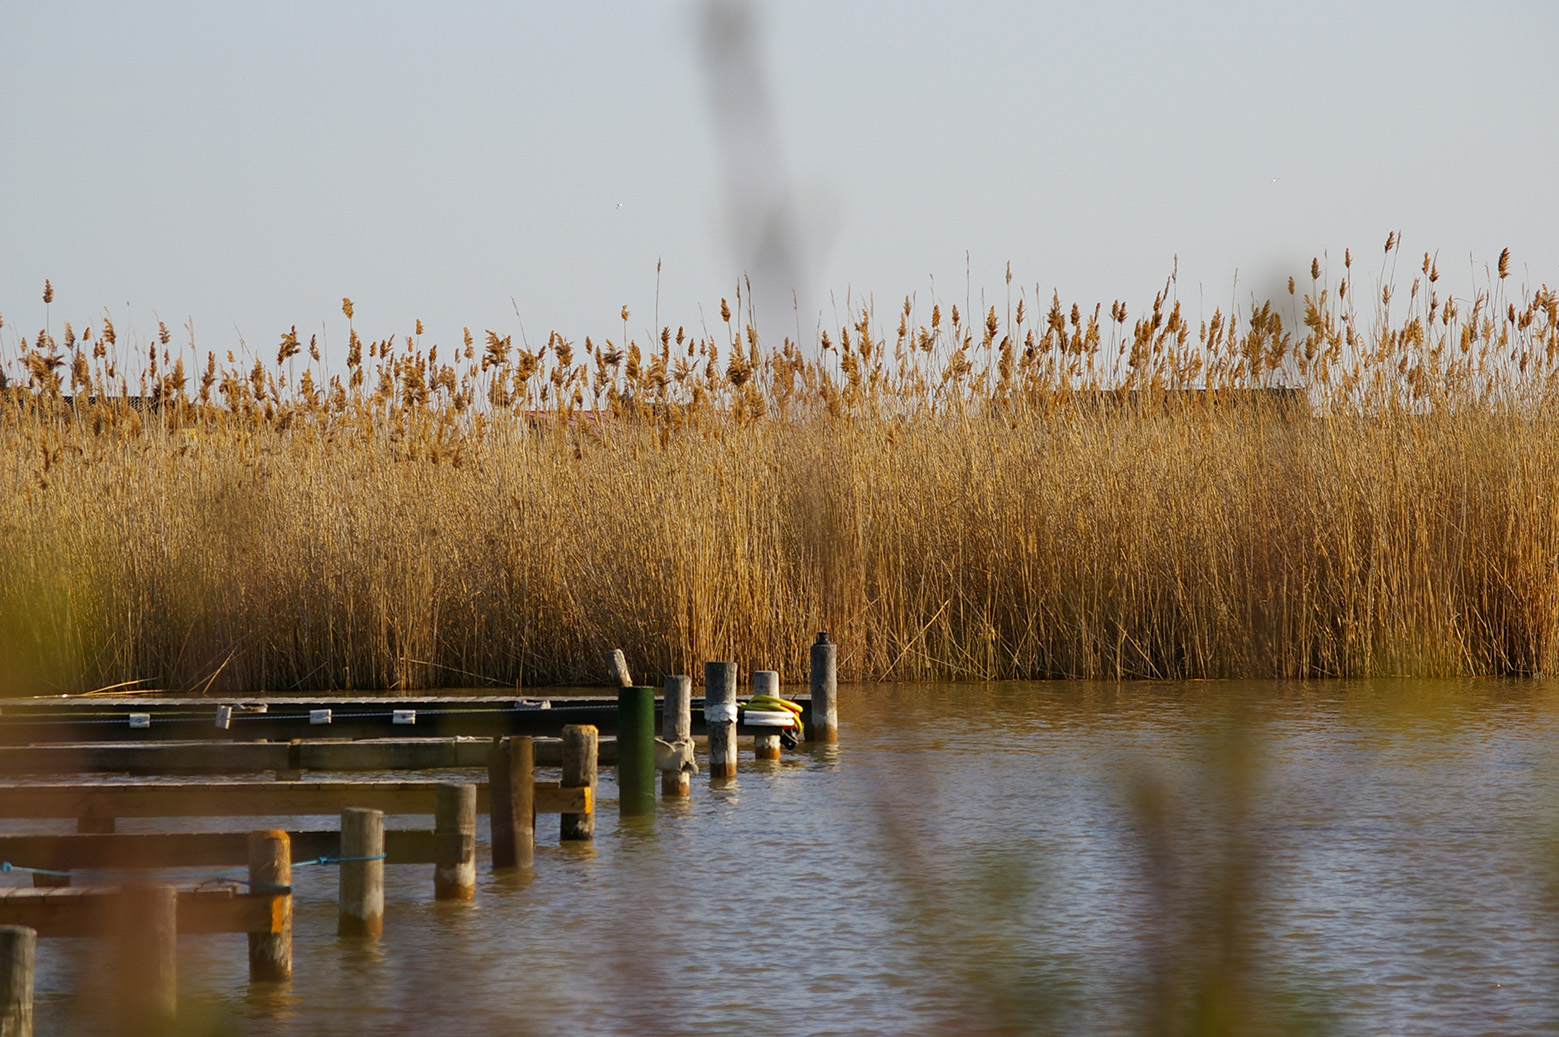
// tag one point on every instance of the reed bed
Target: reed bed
(1301, 488)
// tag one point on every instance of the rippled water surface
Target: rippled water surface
(1060, 857)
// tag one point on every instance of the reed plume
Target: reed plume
(1289, 490)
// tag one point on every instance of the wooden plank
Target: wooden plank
(221, 799)
(208, 849)
(551, 799)
(228, 757)
(88, 911)
(33, 722)
(151, 758)
(173, 850)
(110, 722)
(251, 798)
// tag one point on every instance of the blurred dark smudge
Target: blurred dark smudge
(761, 210)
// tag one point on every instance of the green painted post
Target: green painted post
(635, 751)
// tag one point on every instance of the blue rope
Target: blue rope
(6, 867)
(331, 858)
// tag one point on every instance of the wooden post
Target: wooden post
(522, 798)
(511, 780)
(720, 703)
(676, 724)
(18, 953)
(454, 813)
(147, 968)
(825, 689)
(270, 866)
(579, 771)
(361, 911)
(618, 663)
(766, 746)
(500, 810)
(635, 752)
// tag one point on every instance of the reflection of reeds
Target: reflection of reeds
(964, 495)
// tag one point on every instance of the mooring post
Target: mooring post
(635, 751)
(825, 689)
(148, 959)
(500, 808)
(720, 718)
(270, 869)
(579, 772)
(676, 725)
(18, 954)
(617, 662)
(361, 911)
(511, 784)
(766, 746)
(454, 815)
(522, 799)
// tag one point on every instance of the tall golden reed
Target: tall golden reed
(973, 495)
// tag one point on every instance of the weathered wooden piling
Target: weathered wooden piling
(511, 776)
(766, 746)
(617, 662)
(18, 955)
(361, 910)
(146, 943)
(676, 725)
(825, 689)
(635, 751)
(454, 814)
(579, 771)
(270, 867)
(720, 718)
(500, 805)
(522, 798)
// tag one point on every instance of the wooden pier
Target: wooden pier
(286, 736)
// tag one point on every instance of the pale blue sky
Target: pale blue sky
(247, 166)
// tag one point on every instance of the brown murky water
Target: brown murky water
(1061, 857)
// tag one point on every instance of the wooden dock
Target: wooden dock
(272, 719)
(508, 736)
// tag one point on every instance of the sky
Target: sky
(535, 167)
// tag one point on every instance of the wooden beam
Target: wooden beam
(225, 757)
(26, 723)
(88, 911)
(554, 799)
(208, 849)
(34, 721)
(253, 798)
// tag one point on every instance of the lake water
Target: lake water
(1363, 858)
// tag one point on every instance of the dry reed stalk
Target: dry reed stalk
(1081, 496)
